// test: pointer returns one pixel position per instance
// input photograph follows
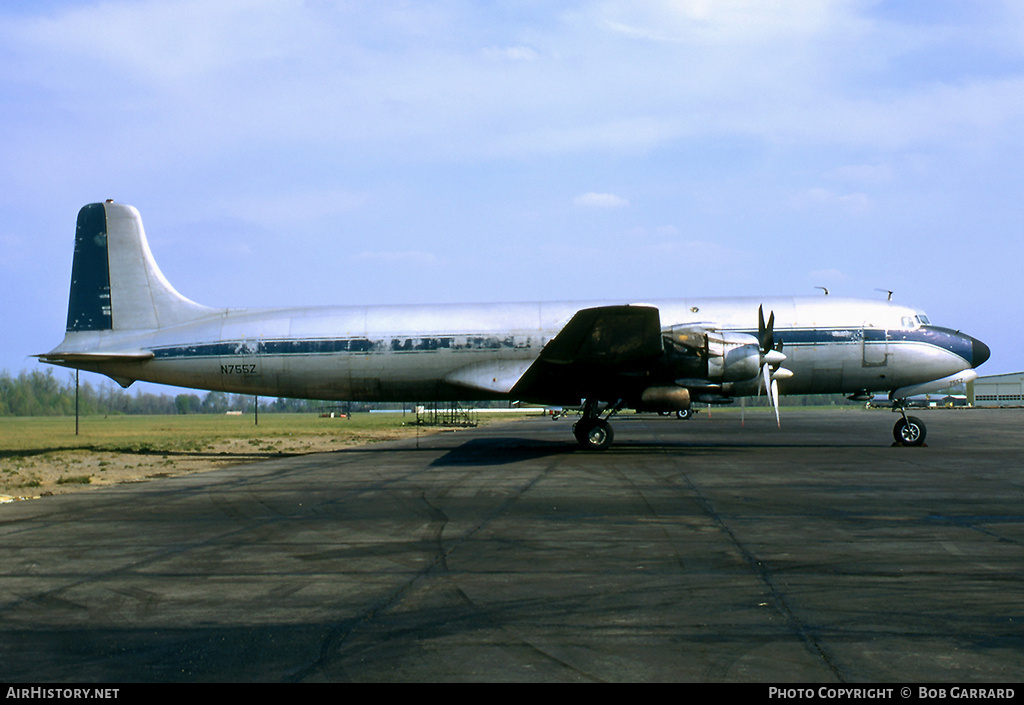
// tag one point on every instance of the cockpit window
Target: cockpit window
(912, 322)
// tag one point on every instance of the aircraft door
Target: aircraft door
(874, 347)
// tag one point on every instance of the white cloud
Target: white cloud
(159, 42)
(600, 200)
(718, 21)
(517, 53)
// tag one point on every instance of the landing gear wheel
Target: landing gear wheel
(684, 414)
(909, 431)
(593, 434)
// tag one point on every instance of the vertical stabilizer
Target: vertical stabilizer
(115, 282)
(89, 305)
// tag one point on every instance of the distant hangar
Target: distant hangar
(997, 390)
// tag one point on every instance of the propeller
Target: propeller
(771, 358)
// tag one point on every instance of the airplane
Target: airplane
(126, 321)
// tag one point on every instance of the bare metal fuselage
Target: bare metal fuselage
(474, 352)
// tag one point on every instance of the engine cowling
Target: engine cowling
(732, 357)
(664, 399)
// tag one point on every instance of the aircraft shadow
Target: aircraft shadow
(502, 451)
(489, 452)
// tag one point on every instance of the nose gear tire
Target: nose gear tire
(909, 431)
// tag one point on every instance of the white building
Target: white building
(997, 390)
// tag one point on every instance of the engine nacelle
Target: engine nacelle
(733, 357)
(665, 399)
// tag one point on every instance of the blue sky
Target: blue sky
(286, 152)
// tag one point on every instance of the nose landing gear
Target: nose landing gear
(909, 430)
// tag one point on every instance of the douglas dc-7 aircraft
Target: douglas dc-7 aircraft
(126, 321)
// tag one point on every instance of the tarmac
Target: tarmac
(720, 549)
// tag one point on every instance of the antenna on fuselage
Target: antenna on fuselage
(887, 291)
(823, 289)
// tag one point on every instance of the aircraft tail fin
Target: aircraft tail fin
(115, 282)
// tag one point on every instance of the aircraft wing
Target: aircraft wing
(591, 351)
(606, 335)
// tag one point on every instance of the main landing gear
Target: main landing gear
(591, 431)
(595, 433)
(909, 430)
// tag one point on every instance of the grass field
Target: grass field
(34, 435)
(42, 455)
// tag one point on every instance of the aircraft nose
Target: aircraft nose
(979, 352)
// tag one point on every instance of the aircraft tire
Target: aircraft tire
(685, 414)
(595, 434)
(909, 432)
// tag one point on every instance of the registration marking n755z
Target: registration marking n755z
(238, 369)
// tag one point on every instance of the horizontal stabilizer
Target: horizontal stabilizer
(105, 356)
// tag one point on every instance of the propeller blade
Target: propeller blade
(761, 327)
(765, 331)
(775, 402)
